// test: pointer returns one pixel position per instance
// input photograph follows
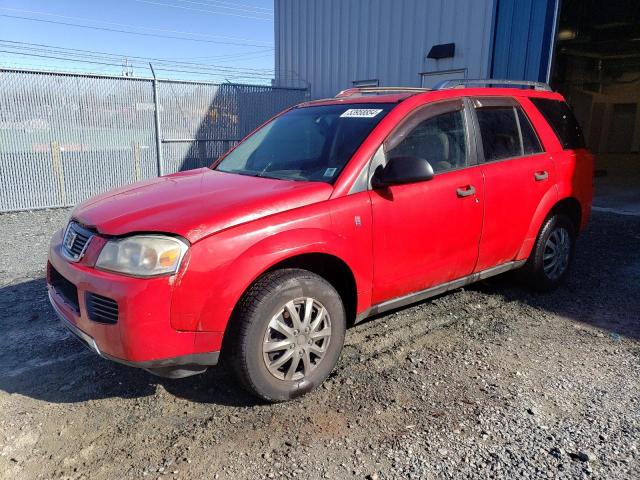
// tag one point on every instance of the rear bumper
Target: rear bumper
(143, 336)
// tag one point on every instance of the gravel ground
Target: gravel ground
(491, 381)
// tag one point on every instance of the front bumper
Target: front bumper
(176, 367)
(142, 336)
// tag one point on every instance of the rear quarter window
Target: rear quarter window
(530, 143)
(561, 119)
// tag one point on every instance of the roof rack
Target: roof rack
(360, 91)
(461, 83)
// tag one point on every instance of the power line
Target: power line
(246, 9)
(221, 74)
(90, 54)
(22, 64)
(39, 47)
(67, 17)
(244, 56)
(203, 10)
(236, 4)
(68, 24)
(18, 44)
(136, 62)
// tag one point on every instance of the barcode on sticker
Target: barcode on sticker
(360, 113)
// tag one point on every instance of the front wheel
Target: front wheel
(552, 255)
(287, 334)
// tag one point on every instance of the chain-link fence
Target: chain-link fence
(66, 137)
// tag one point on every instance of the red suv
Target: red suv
(330, 212)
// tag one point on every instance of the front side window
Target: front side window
(441, 140)
(307, 143)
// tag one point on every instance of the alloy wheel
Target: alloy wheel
(296, 339)
(556, 253)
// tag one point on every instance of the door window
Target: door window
(440, 139)
(506, 133)
(499, 132)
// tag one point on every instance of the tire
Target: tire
(262, 322)
(540, 272)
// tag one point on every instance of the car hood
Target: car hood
(195, 204)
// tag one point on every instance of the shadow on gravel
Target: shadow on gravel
(603, 288)
(41, 360)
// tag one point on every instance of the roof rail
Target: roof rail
(492, 82)
(360, 91)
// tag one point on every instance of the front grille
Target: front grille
(76, 240)
(64, 288)
(101, 309)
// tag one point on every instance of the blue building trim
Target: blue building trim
(492, 40)
(523, 39)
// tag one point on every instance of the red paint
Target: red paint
(406, 238)
(409, 253)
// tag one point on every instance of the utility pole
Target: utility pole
(127, 70)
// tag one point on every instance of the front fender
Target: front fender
(221, 267)
(284, 245)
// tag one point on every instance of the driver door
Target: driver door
(427, 233)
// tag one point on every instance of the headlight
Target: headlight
(142, 255)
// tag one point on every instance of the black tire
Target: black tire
(268, 295)
(533, 272)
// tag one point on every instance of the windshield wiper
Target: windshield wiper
(261, 172)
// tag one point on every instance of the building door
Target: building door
(427, 233)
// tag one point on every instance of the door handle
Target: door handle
(466, 191)
(540, 176)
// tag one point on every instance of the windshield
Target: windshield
(307, 143)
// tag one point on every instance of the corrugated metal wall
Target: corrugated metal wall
(523, 40)
(326, 45)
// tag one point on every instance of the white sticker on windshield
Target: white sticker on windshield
(360, 113)
(329, 172)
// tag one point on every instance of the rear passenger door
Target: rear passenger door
(518, 174)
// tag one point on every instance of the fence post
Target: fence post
(157, 121)
(136, 159)
(58, 172)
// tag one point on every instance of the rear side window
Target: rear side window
(499, 131)
(506, 133)
(561, 119)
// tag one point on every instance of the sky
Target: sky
(216, 40)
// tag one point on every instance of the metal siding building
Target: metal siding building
(330, 45)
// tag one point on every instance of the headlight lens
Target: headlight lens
(142, 255)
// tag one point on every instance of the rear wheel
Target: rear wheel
(287, 334)
(549, 262)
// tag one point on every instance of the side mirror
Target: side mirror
(400, 170)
